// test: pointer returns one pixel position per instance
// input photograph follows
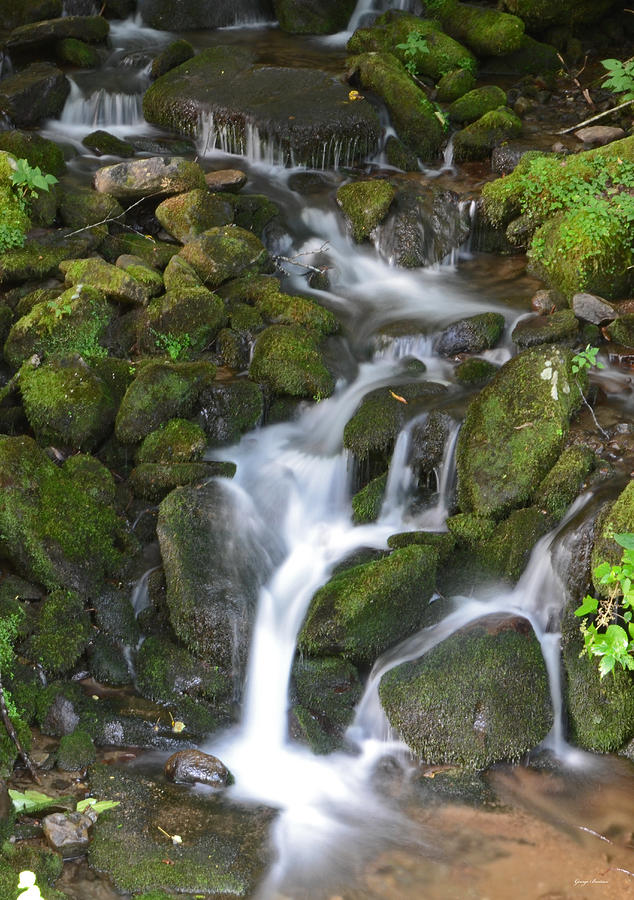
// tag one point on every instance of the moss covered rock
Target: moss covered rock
(138, 178)
(225, 252)
(54, 645)
(154, 481)
(81, 208)
(514, 431)
(614, 518)
(475, 371)
(411, 113)
(365, 204)
(107, 662)
(622, 330)
(367, 503)
(37, 92)
(67, 403)
(366, 609)
(478, 698)
(183, 322)
(478, 139)
(471, 335)
(160, 392)
(75, 322)
(105, 144)
(311, 17)
(254, 212)
(37, 151)
(454, 85)
(286, 358)
(540, 14)
(73, 52)
(485, 31)
(15, 221)
(476, 103)
(187, 216)
(564, 481)
(562, 327)
(229, 409)
(327, 691)
(113, 282)
(176, 441)
(174, 54)
(166, 670)
(76, 751)
(270, 304)
(154, 253)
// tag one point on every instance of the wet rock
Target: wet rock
(61, 717)
(73, 52)
(505, 158)
(92, 29)
(364, 610)
(141, 177)
(621, 330)
(231, 180)
(114, 614)
(14, 14)
(475, 371)
(187, 216)
(154, 481)
(107, 662)
(105, 144)
(427, 442)
(514, 431)
(561, 327)
(593, 309)
(477, 140)
(478, 698)
(174, 54)
(599, 135)
(132, 855)
(367, 503)
(194, 766)
(476, 103)
(220, 254)
(230, 409)
(472, 335)
(67, 833)
(37, 92)
(327, 690)
(365, 204)
(286, 358)
(545, 302)
(223, 84)
(166, 672)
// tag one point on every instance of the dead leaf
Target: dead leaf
(399, 398)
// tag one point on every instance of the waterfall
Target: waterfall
(366, 10)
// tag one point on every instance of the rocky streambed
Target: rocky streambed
(303, 465)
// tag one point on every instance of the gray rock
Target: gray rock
(226, 180)
(191, 766)
(593, 309)
(35, 93)
(599, 135)
(472, 335)
(67, 833)
(61, 717)
(138, 178)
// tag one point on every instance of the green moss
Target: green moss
(176, 441)
(614, 518)
(504, 199)
(179, 274)
(622, 330)
(364, 610)
(223, 253)
(166, 671)
(75, 751)
(154, 253)
(367, 503)
(80, 208)
(229, 409)
(153, 481)
(301, 17)
(14, 221)
(273, 306)
(187, 216)
(411, 113)
(66, 403)
(140, 271)
(112, 281)
(74, 52)
(564, 481)
(54, 645)
(486, 32)
(46, 864)
(183, 322)
(32, 298)
(37, 151)
(365, 204)
(107, 663)
(478, 139)
(174, 54)
(160, 392)
(477, 698)
(514, 431)
(73, 323)
(454, 85)
(441, 541)
(287, 359)
(560, 327)
(254, 211)
(539, 14)
(475, 371)
(476, 103)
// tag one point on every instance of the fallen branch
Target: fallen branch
(115, 218)
(596, 118)
(8, 724)
(585, 93)
(293, 260)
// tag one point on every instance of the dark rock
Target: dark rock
(174, 54)
(621, 330)
(593, 309)
(472, 335)
(228, 409)
(92, 29)
(561, 327)
(154, 481)
(191, 15)
(61, 717)
(313, 16)
(37, 92)
(194, 766)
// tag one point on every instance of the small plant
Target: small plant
(605, 637)
(29, 180)
(412, 48)
(620, 77)
(60, 307)
(174, 345)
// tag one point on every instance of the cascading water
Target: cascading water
(366, 10)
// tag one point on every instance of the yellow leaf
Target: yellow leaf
(178, 727)
(398, 397)
(354, 95)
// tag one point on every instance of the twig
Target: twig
(597, 117)
(595, 833)
(8, 724)
(584, 91)
(294, 259)
(114, 218)
(594, 418)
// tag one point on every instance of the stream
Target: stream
(361, 823)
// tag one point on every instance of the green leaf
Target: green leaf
(31, 801)
(616, 639)
(589, 605)
(625, 540)
(602, 570)
(606, 665)
(98, 806)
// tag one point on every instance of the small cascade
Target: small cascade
(6, 66)
(404, 346)
(80, 8)
(102, 108)
(400, 476)
(140, 593)
(367, 10)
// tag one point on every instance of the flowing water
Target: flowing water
(355, 821)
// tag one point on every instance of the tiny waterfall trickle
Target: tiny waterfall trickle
(366, 9)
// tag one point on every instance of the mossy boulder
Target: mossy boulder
(54, 646)
(228, 409)
(311, 17)
(212, 579)
(180, 274)
(19, 12)
(105, 144)
(539, 14)
(514, 431)
(478, 139)
(286, 359)
(73, 52)
(176, 441)
(222, 253)
(166, 670)
(225, 852)
(564, 481)
(562, 327)
(622, 330)
(81, 208)
(93, 29)
(367, 503)
(226, 88)
(183, 322)
(471, 335)
(75, 322)
(37, 92)
(366, 609)
(326, 692)
(174, 54)
(37, 151)
(412, 114)
(365, 204)
(187, 216)
(485, 31)
(437, 55)
(137, 178)
(160, 392)
(154, 481)
(479, 697)
(154, 253)
(66, 403)
(76, 751)
(141, 271)
(53, 530)
(255, 212)
(475, 371)
(255, 299)
(476, 103)
(454, 85)
(114, 283)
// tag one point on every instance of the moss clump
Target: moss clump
(560, 327)
(454, 85)
(478, 698)
(37, 151)
(364, 610)
(179, 274)
(66, 403)
(176, 441)
(112, 281)
(166, 671)
(160, 392)
(514, 431)
(102, 143)
(476, 103)
(183, 322)
(74, 52)
(367, 503)
(478, 139)
(76, 751)
(223, 253)
(505, 199)
(485, 31)
(54, 645)
(564, 481)
(174, 54)
(442, 53)
(287, 359)
(365, 204)
(187, 216)
(73, 323)
(411, 113)
(475, 371)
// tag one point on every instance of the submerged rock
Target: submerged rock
(194, 766)
(479, 697)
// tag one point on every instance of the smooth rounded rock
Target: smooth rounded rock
(67, 833)
(593, 309)
(226, 180)
(191, 766)
(138, 178)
